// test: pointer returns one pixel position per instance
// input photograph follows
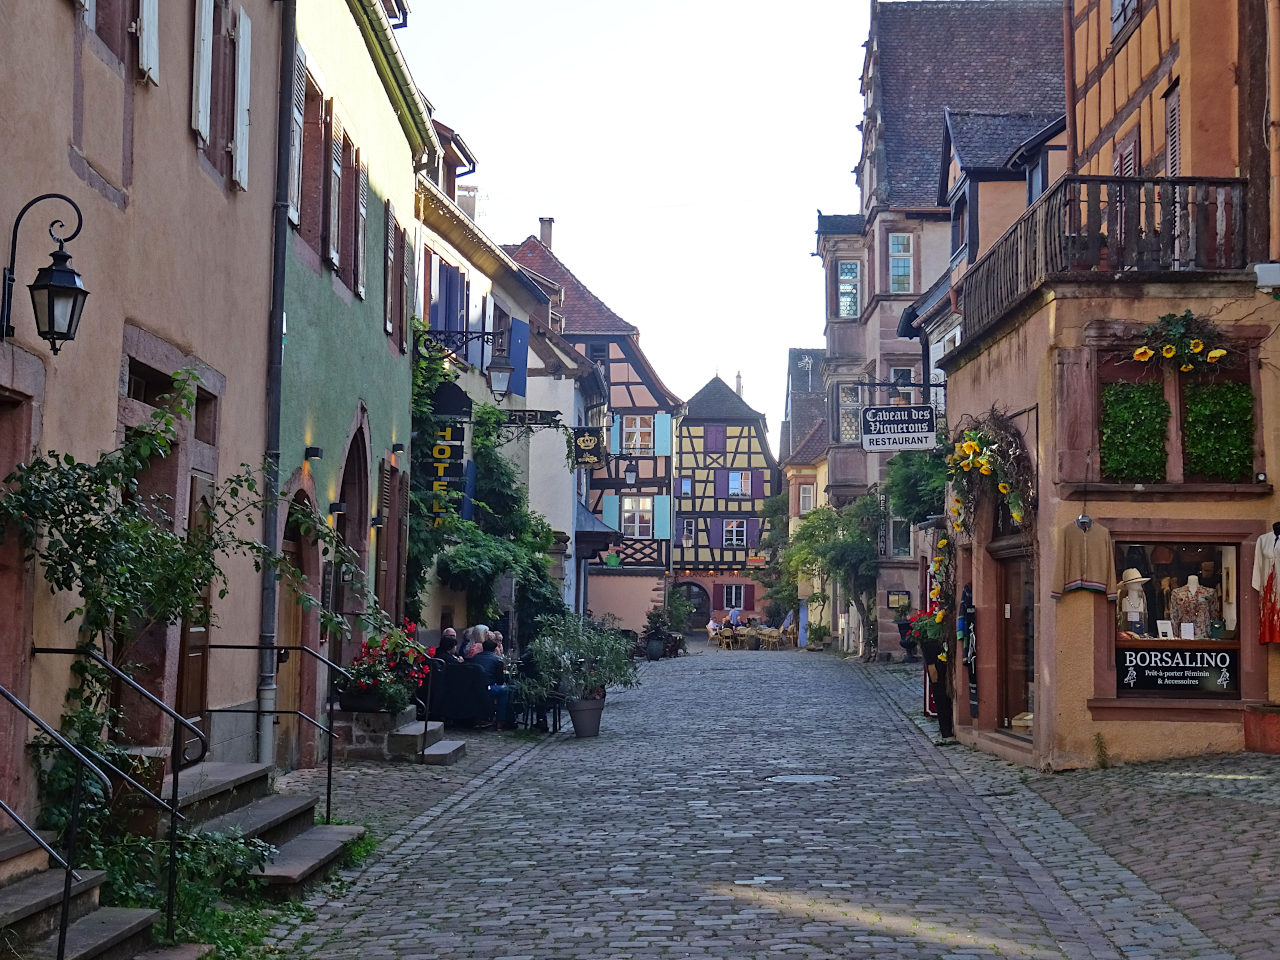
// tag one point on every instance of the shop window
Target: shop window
(1177, 620)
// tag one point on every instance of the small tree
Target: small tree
(916, 482)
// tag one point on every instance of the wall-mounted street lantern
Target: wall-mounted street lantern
(58, 293)
(337, 507)
(377, 523)
(687, 542)
(397, 448)
(629, 473)
(500, 371)
(313, 453)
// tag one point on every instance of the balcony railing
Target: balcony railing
(1112, 226)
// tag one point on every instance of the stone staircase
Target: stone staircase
(385, 736)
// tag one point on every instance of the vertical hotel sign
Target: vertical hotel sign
(447, 469)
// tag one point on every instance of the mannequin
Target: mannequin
(1131, 611)
(1194, 603)
(1265, 577)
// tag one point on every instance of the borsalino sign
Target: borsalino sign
(1173, 672)
(899, 427)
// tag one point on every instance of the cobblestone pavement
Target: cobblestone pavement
(744, 804)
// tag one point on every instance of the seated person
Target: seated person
(448, 648)
(495, 669)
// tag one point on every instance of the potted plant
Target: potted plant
(383, 676)
(902, 618)
(576, 660)
(657, 630)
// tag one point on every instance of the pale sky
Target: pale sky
(683, 148)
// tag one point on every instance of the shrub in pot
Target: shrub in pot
(576, 660)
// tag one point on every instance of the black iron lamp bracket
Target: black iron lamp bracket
(55, 226)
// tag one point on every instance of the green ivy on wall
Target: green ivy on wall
(1217, 431)
(1133, 427)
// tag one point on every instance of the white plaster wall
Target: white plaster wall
(552, 486)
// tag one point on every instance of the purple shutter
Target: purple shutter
(749, 597)
(753, 532)
(713, 434)
(718, 591)
(717, 533)
(722, 484)
(757, 484)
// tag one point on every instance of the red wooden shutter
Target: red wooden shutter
(749, 597)
(389, 284)
(717, 591)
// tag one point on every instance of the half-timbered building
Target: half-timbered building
(631, 492)
(724, 473)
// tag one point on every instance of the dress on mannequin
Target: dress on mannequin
(1267, 580)
(1195, 604)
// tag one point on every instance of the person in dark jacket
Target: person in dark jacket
(495, 669)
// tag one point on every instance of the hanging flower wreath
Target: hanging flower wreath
(989, 458)
(1183, 340)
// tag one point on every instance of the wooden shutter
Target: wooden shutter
(384, 502)
(406, 292)
(202, 69)
(662, 518)
(388, 269)
(361, 265)
(749, 596)
(148, 28)
(1173, 133)
(332, 239)
(1076, 386)
(611, 510)
(662, 434)
(753, 532)
(296, 126)
(615, 435)
(402, 559)
(240, 123)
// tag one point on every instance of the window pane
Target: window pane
(900, 274)
(848, 269)
(901, 538)
(900, 243)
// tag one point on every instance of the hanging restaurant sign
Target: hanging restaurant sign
(899, 427)
(588, 446)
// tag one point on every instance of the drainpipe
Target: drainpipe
(1273, 138)
(1069, 54)
(275, 364)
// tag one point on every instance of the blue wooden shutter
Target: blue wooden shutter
(518, 347)
(615, 436)
(717, 533)
(753, 532)
(662, 518)
(662, 435)
(610, 510)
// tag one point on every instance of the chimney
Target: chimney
(739, 383)
(544, 230)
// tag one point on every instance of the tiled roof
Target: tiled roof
(718, 401)
(841, 223)
(583, 311)
(811, 448)
(985, 140)
(989, 55)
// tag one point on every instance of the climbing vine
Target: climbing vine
(1132, 430)
(1217, 431)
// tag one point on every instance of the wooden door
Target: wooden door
(1017, 645)
(193, 650)
(288, 668)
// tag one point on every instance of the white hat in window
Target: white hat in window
(1132, 578)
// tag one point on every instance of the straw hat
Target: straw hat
(1132, 578)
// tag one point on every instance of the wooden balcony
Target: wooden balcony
(1108, 228)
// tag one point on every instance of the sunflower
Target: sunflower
(985, 470)
(1216, 355)
(1003, 487)
(971, 447)
(1187, 366)
(1017, 517)
(1197, 346)
(942, 543)
(1143, 353)
(1168, 350)
(957, 501)
(940, 615)
(957, 525)
(935, 593)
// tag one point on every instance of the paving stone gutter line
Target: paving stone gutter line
(1086, 923)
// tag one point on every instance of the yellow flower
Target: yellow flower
(968, 465)
(1186, 366)
(955, 511)
(935, 593)
(942, 543)
(1143, 353)
(957, 525)
(1168, 350)
(1004, 488)
(957, 501)
(971, 447)
(937, 559)
(1197, 346)
(1017, 517)
(1216, 355)
(938, 619)
(985, 469)
(959, 450)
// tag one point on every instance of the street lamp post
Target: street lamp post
(58, 293)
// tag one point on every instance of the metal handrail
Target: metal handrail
(177, 754)
(83, 764)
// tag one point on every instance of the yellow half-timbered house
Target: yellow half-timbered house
(724, 471)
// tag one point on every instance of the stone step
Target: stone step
(407, 740)
(112, 933)
(31, 908)
(20, 856)
(212, 788)
(434, 733)
(307, 858)
(183, 951)
(442, 753)
(276, 819)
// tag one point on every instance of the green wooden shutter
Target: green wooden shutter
(662, 517)
(615, 437)
(611, 510)
(662, 435)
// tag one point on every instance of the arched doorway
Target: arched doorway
(353, 525)
(697, 595)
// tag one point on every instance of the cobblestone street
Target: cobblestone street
(745, 804)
